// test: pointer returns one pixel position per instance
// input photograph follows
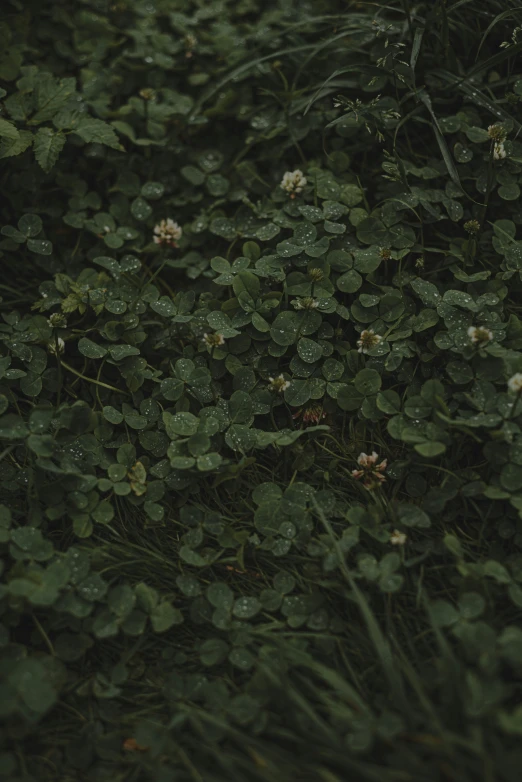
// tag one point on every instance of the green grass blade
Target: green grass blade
(448, 159)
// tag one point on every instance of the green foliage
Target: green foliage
(260, 391)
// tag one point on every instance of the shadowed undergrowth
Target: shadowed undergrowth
(260, 382)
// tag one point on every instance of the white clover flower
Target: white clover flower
(316, 275)
(57, 320)
(305, 303)
(497, 133)
(278, 384)
(479, 334)
(499, 153)
(213, 340)
(515, 383)
(167, 232)
(52, 346)
(293, 182)
(368, 340)
(398, 538)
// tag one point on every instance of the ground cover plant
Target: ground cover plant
(260, 391)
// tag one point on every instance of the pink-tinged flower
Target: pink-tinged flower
(370, 472)
(312, 414)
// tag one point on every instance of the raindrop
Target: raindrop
(260, 122)
(246, 607)
(153, 190)
(210, 161)
(163, 308)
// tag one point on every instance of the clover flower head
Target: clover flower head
(515, 383)
(305, 303)
(370, 471)
(370, 461)
(368, 340)
(147, 93)
(278, 384)
(398, 538)
(57, 320)
(56, 347)
(499, 152)
(472, 226)
(213, 340)
(167, 232)
(293, 182)
(479, 335)
(497, 133)
(316, 275)
(312, 414)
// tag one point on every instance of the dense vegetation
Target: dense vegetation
(260, 391)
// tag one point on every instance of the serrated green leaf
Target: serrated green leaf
(99, 132)
(47, 147)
